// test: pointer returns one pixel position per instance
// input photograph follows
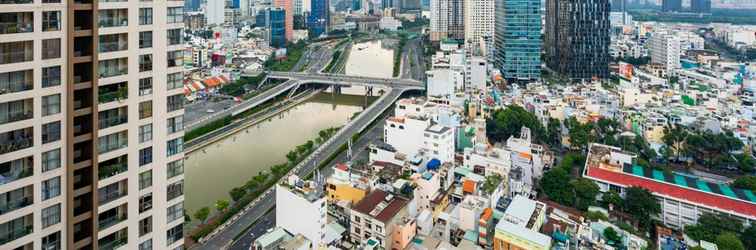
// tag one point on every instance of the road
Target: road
(359, 153)
(223, 237)
(413, 64)
(329, 78)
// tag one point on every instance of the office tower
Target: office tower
(447, 19)
(192, 5)
(356, 5)
(671, 5)
(288, 7)
(91, 125)
(665, 50)
(479, 25)
(577, 38)
(518, 39)
(319, 18)
(619, 5)
(215, 12)
(274, 21)
(700, 6)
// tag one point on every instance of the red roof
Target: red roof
(670, 190)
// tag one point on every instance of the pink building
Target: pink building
(288, 7)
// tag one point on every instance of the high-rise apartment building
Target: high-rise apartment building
(288, 7)
(479, 25)
(91, 124)
(320, 18)
(671, 5)
(447, 19)
(577, 38)
(665, 50)
(215, 12)
(700, 6)
(518, 39)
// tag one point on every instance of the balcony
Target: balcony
(175, 190)
(16, 81)
(113, 117)
(83, 18)
(15, 170)
(16, 1)
(113, 67)
(113, 92)
(112, 192)
(10, 232)
(82, 125)
(113, 167)
(82, 204)
(16, 140)
(112, 217)
(113, 18)
(16, 199)
(16, 22)
(16, 111)
(114, 42)
(82, 72)
(16, 52)
(82, 151)
(113, 241)
(82, 178)
(82, 46)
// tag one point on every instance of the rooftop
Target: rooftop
(380, 205)
(524, 233)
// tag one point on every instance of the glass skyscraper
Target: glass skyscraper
(577, 38)
(319, 18)
(518, 39)
(274, 19)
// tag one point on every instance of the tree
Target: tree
(221, 205)
(491, 183)
(585, 193)
(749, 237)
(554, 132)
(580, 134)
(612, 198)
(553, 185)
(292, 156)
(641, 204)
(729, 241)
(202, 214)
(746, 163)
(612, 236)
(509, 122)
(709, 226)
(237, 193)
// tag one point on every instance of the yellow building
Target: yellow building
(345, 186)
(510, 236)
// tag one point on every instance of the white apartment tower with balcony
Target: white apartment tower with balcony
(665, 50)
(91, 124)
(479, 26)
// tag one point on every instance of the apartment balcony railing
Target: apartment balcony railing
(13, 28)
(112, 170)
(111, 96)
(16, 56)
(113, 46)
(111, 196)
(15, 233)
(15, 175)
(113, 244)
(16, 144)
(15, 86)
(108, 22)
(107, 122)
(16, 204)
(109, 72)
(174, 194)
(107, 147)
(110, 221)
(14, 117)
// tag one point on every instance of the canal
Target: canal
(214, 170)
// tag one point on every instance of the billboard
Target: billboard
(626, 70)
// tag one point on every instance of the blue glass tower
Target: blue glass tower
(319, 18)
(518, 39)
(191, 5)
(273, 19)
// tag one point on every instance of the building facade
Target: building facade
(577, 38)
(319, 19)
(479, 25)
(671, 5)
(665, 50)
(518, 39)
(301, 209)
(288, 7)
(215, 12)
(700, 6)
(447, 20)
(274, 20)
(91, 151)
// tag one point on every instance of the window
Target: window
(175, 146)
(16, 81)
(51, 48)
(146, 245)
(50, 104)
(175, 124)
(114, 42)
(145, 86)
(175, 37)
(175, 80)
(51, 242)
(175, 102)
(175, 190)
(51, 76)
(175, 234)
(145, 203)
(145, 39)
(51, 160)
(175, 212)
(51, 188)
(145, 179)
(175, 168)
(50, 20)
(16, 52)
(112, 142)
(145, 133)
(145, 16)
(145, 63)
(145, 226)
(175, 14)
(51, 132)
(175, 58)
(51, 216)
(145, 109)
(145, 156)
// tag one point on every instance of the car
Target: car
(210, 111)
